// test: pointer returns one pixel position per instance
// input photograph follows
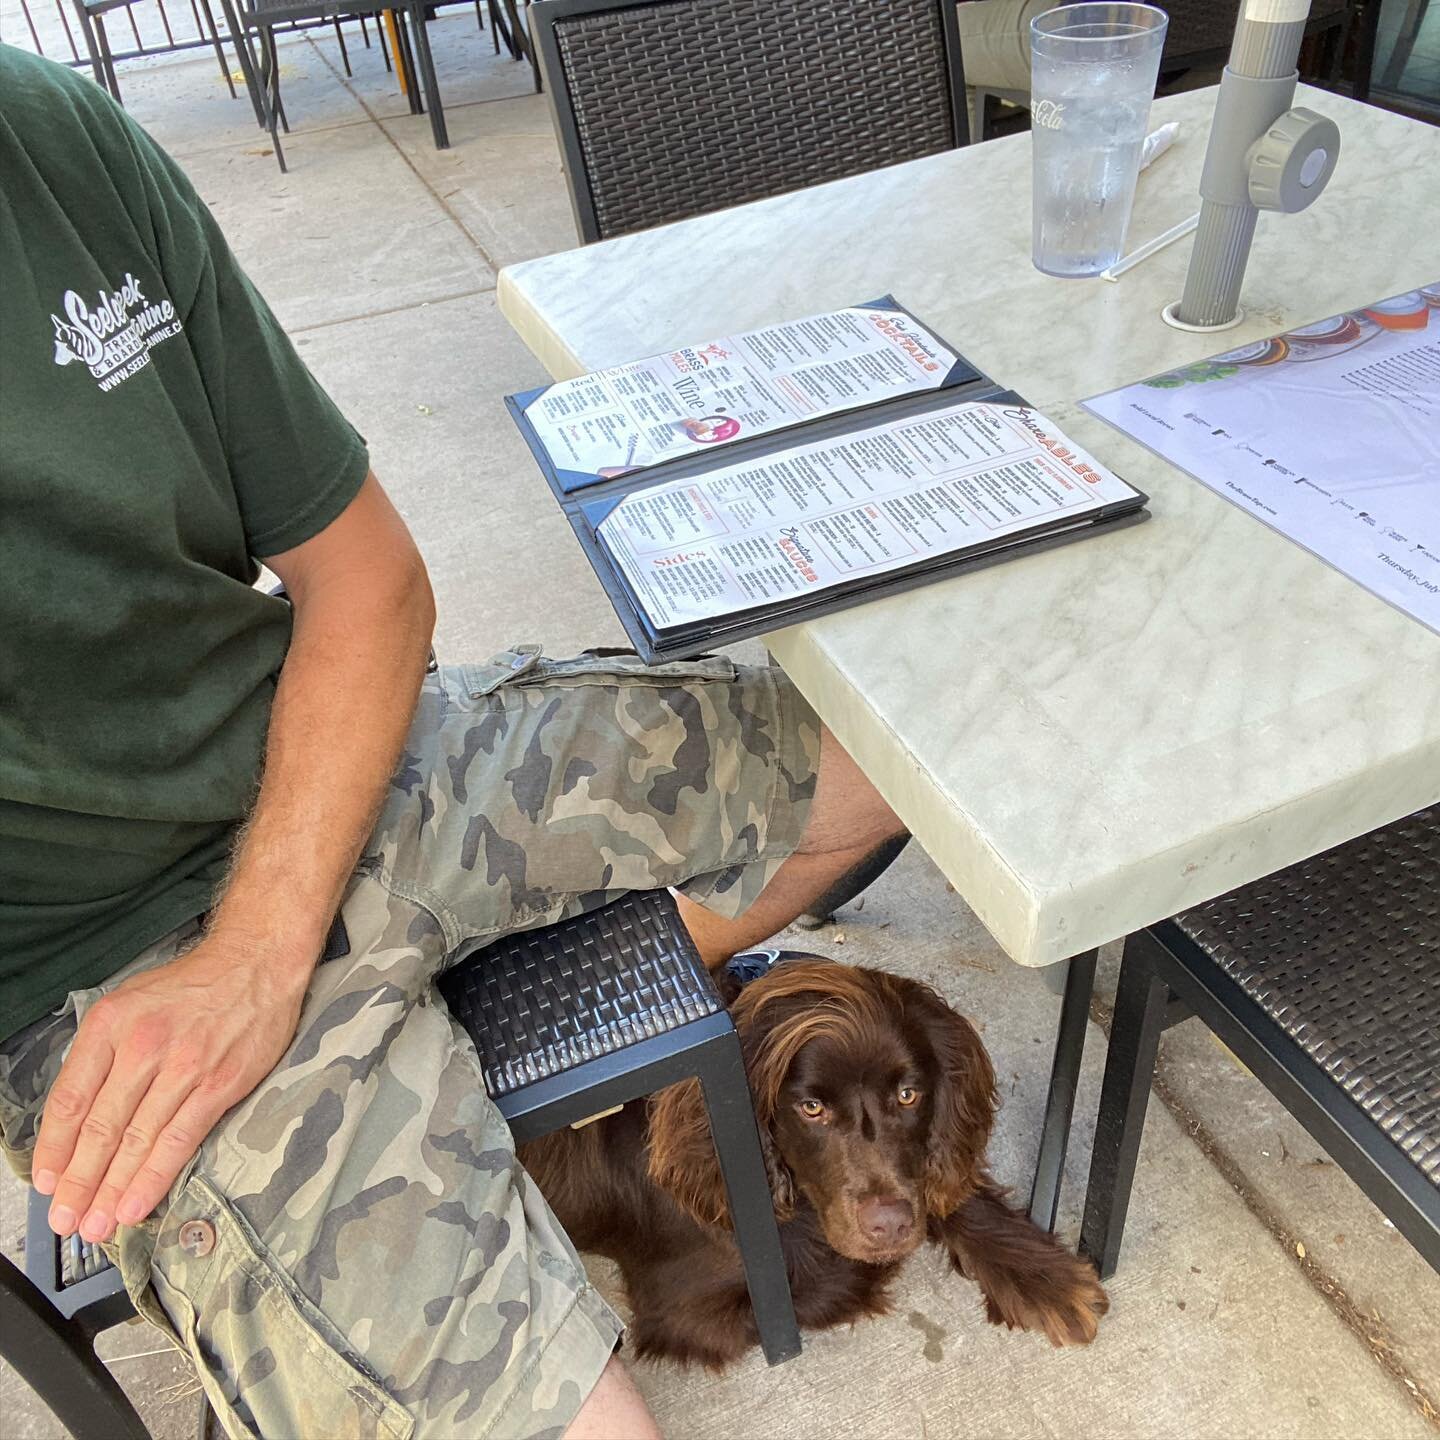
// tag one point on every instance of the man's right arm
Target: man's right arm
(156, 1063)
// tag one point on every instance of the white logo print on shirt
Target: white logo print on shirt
(115, 336)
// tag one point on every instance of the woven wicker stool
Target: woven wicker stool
(569, 1021)
(582, 1017)
(1325, 980)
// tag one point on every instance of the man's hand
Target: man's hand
(153, 1066)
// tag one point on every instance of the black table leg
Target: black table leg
(268, 85)
(112, 84)
(1060, 1102)
(219, 48)
(240, 40)
(1365, 50)
(427, 74)
(406, 61)
(1141, 1002)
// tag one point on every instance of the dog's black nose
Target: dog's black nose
(887, 1222)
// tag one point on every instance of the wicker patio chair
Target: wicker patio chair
(1324, 979)
(670, 108)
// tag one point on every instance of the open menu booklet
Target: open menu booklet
(728, 489)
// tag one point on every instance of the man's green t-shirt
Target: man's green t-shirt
(157, 433)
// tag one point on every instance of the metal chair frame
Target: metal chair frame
(1193, 984)
(101, 59)
(547, 15)
(1166, 977)
(262, 18)
(49, 1334)
(91, 16)
(507, 23)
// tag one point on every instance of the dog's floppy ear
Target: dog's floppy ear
(682, 1159)
(683, 1162)
(964, 1105)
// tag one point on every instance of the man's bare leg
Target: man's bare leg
(848, 820)
(614, 1410)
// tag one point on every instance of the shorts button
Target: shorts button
(197, 1238)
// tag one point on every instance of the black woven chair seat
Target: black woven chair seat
(544, 1001)
(1343, 952)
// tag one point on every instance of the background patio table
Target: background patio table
(1089, 740)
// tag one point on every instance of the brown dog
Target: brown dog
(875, 1102)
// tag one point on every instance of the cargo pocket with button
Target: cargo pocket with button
(270, 1362)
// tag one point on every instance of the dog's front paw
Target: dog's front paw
(1066, 1303)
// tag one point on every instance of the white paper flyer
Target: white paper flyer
(1329, 434)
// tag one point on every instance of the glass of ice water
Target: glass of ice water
(1093, 71)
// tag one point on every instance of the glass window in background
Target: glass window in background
(1407, 58)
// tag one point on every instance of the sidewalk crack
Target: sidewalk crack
(1370, 1330)
(434, 194)
(391, 310)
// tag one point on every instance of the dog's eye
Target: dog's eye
(907, 1095)
(811, 1109)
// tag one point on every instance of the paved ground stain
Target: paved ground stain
(933, 1333)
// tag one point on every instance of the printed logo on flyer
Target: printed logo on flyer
(907, 338)
(113, 336)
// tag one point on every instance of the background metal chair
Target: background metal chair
(1324, 979)
(263, 18)
(91, 17)
(670, 108)
(509, 21)
(569, 1021)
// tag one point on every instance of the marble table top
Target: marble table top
(1087, 740)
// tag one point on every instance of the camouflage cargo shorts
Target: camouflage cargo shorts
(356, 1251)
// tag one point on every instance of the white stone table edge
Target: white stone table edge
(1011, 908)
(1030, 923)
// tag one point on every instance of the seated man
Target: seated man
(296, 1162)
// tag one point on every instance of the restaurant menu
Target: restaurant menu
(662, 408)
(1329, 434)
(967, 477)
